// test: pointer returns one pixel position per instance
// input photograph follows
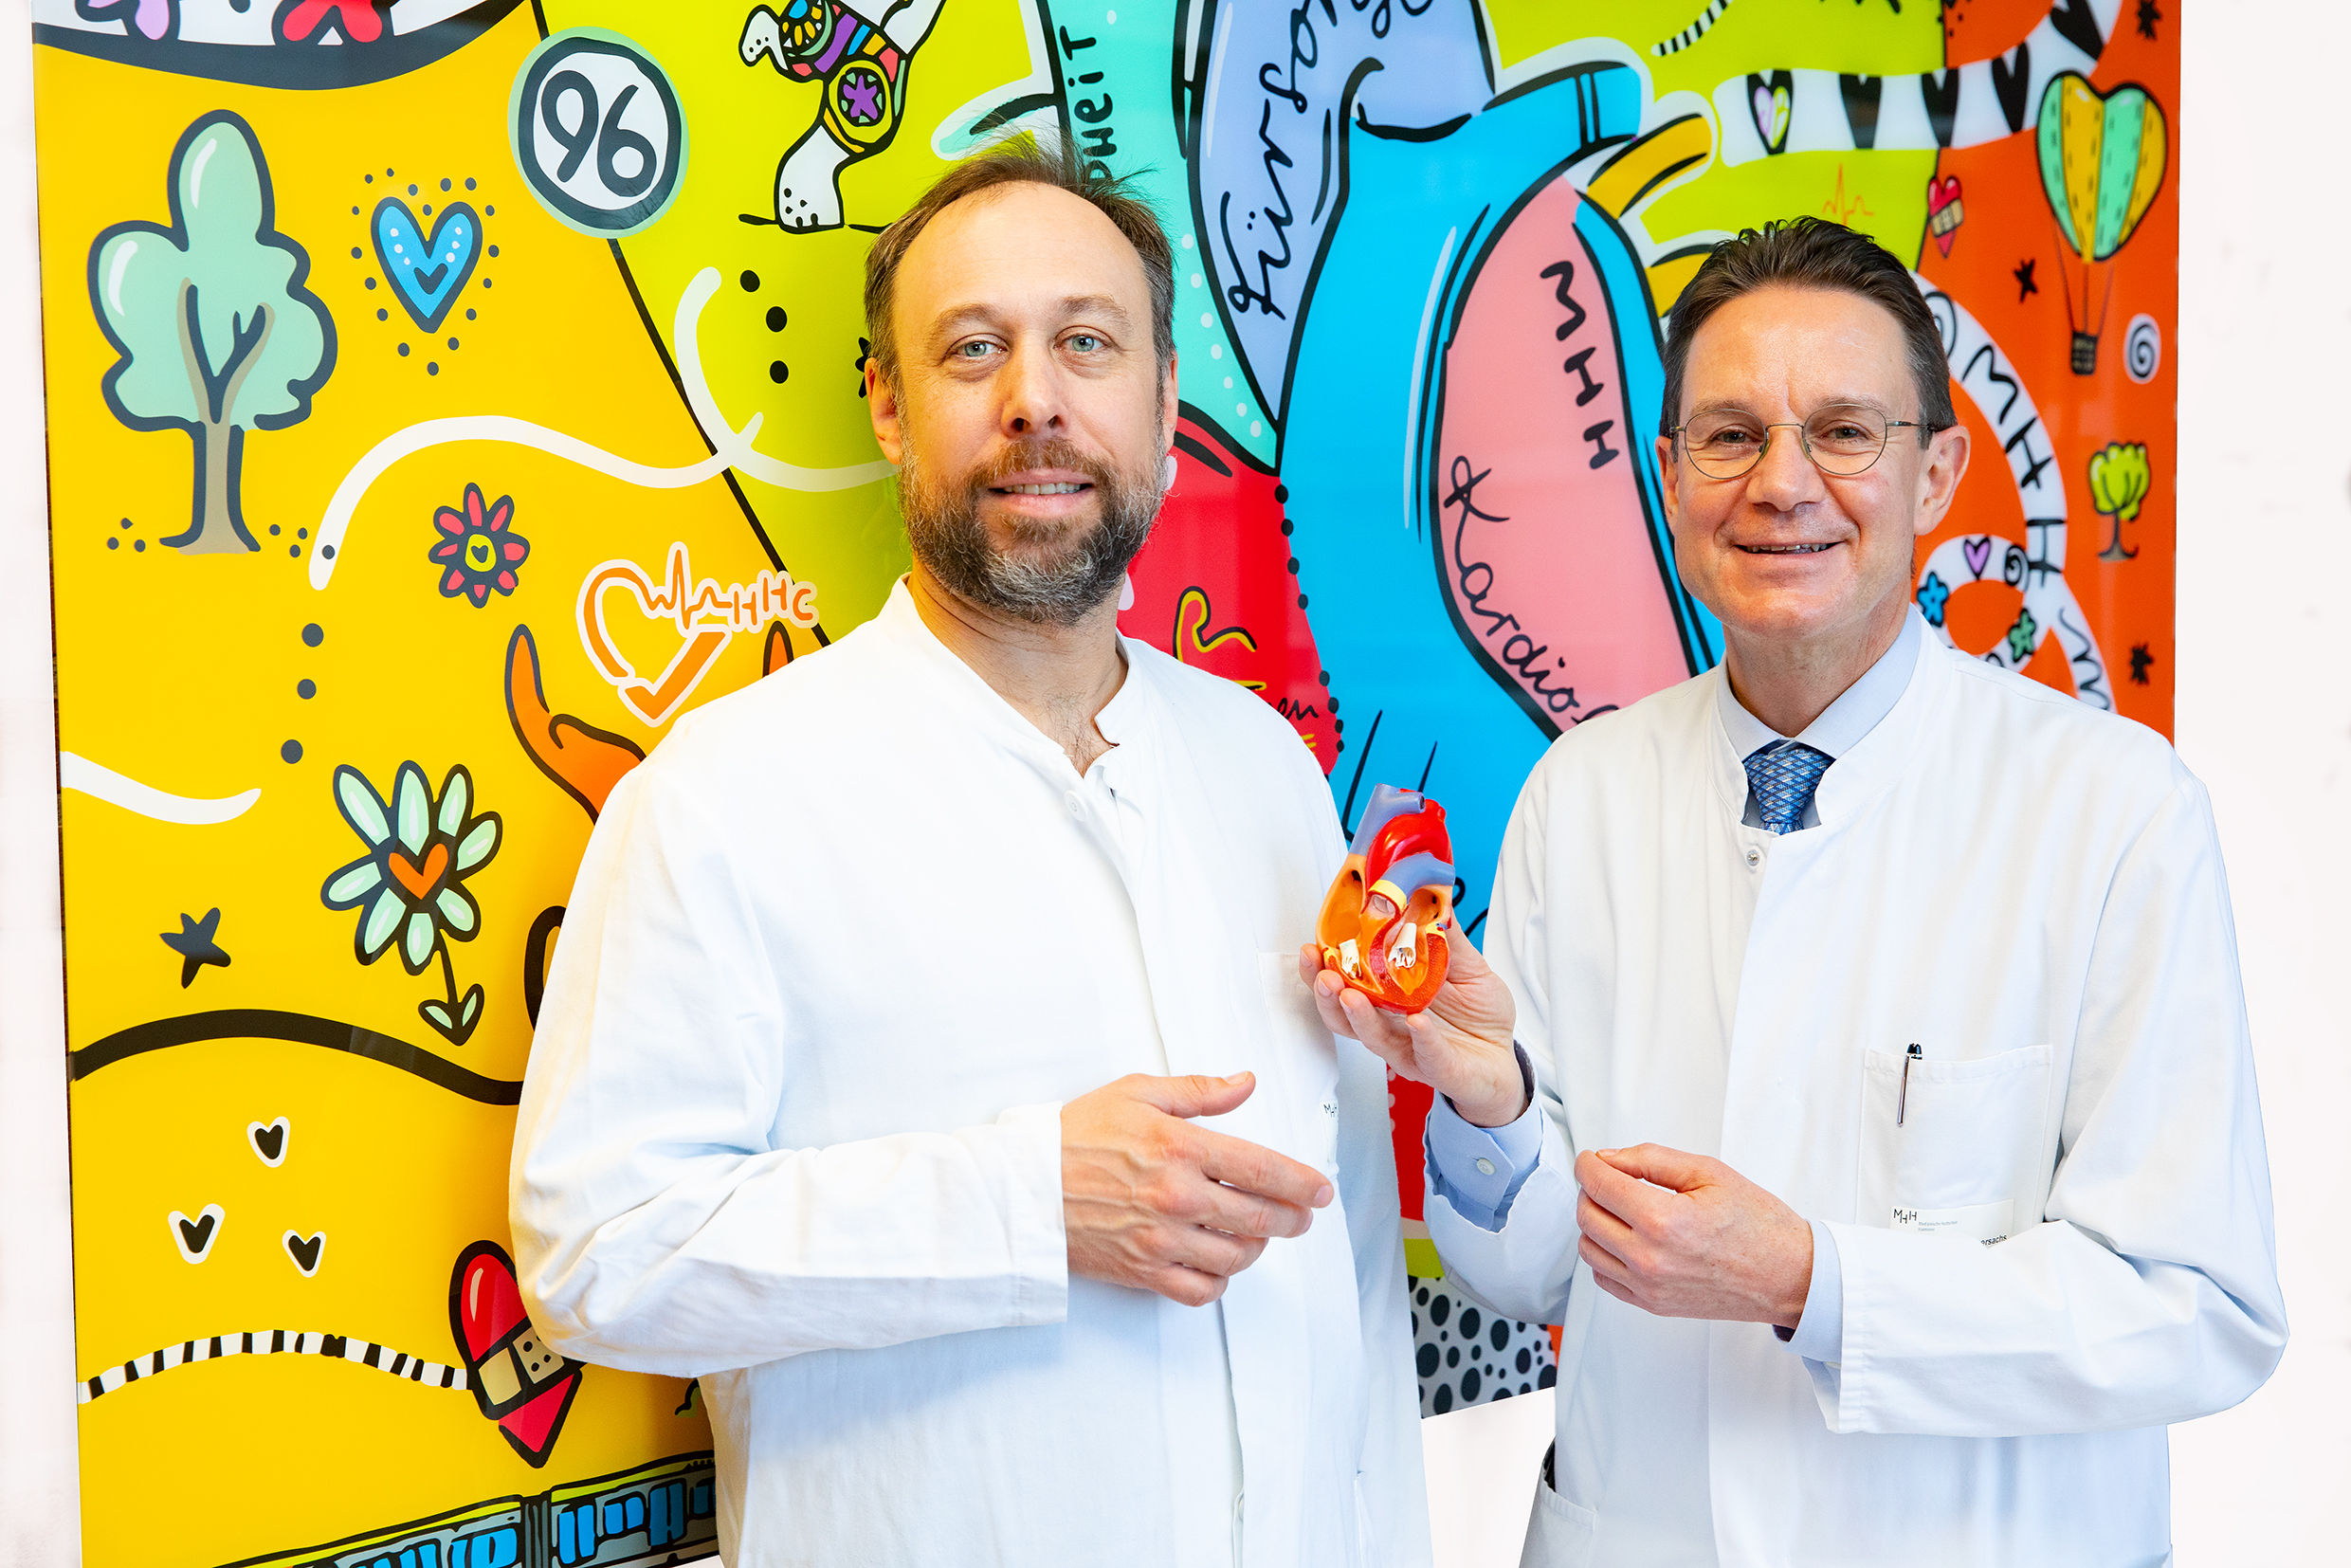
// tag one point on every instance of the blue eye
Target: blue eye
(1084, 342)
(975, 349)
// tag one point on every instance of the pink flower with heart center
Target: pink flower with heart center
(479, 551)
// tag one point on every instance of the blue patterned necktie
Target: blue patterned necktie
(1783, 776)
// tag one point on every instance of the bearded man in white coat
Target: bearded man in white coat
(873, 1081)
(1884, 1133)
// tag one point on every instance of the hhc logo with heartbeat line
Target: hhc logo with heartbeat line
(706, 615)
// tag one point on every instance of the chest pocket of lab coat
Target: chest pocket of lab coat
(1308, 1054)
(1966, 1154)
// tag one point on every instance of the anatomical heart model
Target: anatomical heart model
(1382, 924)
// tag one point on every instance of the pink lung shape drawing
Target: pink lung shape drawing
(1546, 553)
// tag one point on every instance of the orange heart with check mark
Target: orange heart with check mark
(655, 699)
(419, 880)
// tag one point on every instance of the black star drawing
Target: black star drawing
(2149, 14)
(193, 943)
(2024, 279)
(865, 352)
(2141, 659)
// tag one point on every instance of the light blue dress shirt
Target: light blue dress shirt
(1479, 1170)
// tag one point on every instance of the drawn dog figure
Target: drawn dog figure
(860, 66)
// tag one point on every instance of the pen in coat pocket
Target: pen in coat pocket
(1901, 1102)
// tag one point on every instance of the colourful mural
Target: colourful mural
(458, 392)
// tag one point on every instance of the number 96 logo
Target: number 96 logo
(597, 132)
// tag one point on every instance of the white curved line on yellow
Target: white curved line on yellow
(80, 773)
(327, 548)
(735, 448)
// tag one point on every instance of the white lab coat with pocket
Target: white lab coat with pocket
(2029, 890)
(839, 949)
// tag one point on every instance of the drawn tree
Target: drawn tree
(217, 334)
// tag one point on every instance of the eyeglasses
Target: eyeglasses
(1841, 442)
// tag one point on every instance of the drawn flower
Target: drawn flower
(2023, 637)
(420, 849)
(1933, 595)
(478, 550)
(410, 886)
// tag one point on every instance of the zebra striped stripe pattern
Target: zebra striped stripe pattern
(274, 1342)
(1692, 33)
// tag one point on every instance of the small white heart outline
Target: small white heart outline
(285, 1130)
(179, 1238)
(317, 1263)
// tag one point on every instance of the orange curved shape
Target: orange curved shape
(584, 760)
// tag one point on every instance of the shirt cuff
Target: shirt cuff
(1035, 1221)
(1479, 1170)
(1819, 1334)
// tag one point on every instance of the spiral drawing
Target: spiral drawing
(2143, 348)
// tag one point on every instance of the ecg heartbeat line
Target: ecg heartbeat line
(738, 607)
(706, 615)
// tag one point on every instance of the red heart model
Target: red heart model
(1383, 925)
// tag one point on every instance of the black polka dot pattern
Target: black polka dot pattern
(1465, 1356)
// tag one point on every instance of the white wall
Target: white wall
(2264, 709)
(2265, 718)
(37, 1495)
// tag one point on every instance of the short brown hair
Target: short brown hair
(1813, 253)
(1024, 160)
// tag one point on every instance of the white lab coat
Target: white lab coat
(839, 949)
(2032, 892)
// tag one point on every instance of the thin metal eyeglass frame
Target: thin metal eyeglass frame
(1804, 444)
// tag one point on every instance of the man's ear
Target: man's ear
(881, 407)
(1666, 475)
(1939, 481)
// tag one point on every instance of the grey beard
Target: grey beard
(1067, 584)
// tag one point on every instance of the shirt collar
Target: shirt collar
(1842, 724)
(1121, 721)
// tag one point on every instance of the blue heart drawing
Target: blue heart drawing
(427, 272)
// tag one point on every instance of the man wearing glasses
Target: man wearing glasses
(1885, 1134)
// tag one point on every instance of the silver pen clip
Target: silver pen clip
(1901, 1102)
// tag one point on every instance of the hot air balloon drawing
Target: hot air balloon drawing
(2102, 162)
